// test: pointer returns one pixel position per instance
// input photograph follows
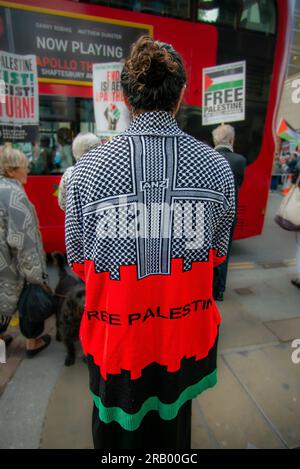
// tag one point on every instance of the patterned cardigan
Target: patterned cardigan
(63, 185)
(21, 251)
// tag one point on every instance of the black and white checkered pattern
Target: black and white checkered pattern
(152, 149)
(107, 170)
(154, 123)
(200, 166)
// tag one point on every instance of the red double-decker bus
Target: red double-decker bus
(69, 36)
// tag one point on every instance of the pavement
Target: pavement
(256, 402)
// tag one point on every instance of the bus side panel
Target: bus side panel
(42, 192)
(255, 189)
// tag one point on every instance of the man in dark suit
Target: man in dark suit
(223, 137)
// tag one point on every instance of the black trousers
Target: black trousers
(220, 272)
(4, 323)
(153, 433)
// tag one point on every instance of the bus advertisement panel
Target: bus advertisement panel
(66, 45)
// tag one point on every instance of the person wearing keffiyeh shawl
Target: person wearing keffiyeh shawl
(148, 217)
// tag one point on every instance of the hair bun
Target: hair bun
(153, 75)
(151, 63)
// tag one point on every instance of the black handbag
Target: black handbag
(36, 304)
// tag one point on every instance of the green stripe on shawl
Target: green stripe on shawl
(132, 422)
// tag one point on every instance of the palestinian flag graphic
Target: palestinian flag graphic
(115, 111)
(286, 132)
(224, 79)
(56, 190)
(160, 377)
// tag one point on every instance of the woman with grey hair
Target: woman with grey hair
(21, 253)
(81, 145)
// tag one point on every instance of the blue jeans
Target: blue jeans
(275, 181)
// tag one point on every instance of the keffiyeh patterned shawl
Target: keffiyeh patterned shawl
(150, 325)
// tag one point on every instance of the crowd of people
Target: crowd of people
(150, 327)
(292, 166)
(53, 153)
(285, 174)
(285, 169)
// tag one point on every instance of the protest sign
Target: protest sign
(223, 93)
(111, 113)
(19, 103)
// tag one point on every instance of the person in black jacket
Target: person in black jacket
(223, 137)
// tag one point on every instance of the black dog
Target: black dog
(70, 297)
(70, 319)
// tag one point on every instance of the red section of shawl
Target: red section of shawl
(130, 323)
(78, 269)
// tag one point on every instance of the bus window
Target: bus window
(255, 15)
(126, 4)
(172, 8)
(61, 119)
(248, 133)
(219, 12)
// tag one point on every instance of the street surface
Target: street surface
(256, 402)
(273, 245)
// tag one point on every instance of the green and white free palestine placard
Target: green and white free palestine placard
(223, 93)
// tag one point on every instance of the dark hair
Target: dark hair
(45, 141)
(64, 136)
(153, 76)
